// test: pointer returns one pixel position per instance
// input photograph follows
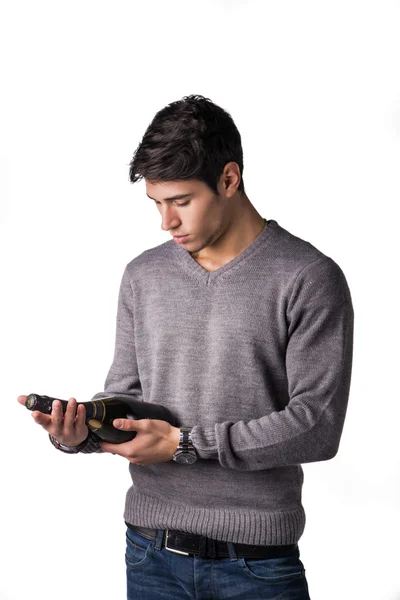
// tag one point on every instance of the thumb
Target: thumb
(127, 424)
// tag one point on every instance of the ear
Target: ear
(230, 179)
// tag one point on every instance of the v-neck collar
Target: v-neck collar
(207, 277)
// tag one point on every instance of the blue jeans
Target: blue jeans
(155, 573)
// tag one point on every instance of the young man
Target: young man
(245, 332)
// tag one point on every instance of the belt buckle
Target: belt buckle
(173, 549)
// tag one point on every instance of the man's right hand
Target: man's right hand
(69, 429)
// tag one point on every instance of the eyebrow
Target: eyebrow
(171, 198)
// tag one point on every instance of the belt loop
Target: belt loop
(231, 550)
(159, 539)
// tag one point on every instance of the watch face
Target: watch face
(185, 458)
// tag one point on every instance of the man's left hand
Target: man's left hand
(156, 441)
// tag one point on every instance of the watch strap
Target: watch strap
(185, 446)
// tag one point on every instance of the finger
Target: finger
(69, 416)
(22, 399)
(108, 447)
(56, 418)
(80, 418)
(41, 419)
(128, 424)
(80, 425)
(124, 449)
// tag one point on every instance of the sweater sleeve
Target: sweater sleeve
(319, 316)
(123, 375)
(120, 381)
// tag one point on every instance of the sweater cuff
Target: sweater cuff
(205, 442)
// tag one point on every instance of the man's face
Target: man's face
(198, 212)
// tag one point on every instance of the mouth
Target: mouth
(180, 239)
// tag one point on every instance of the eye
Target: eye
(181, 204)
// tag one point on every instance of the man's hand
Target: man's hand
(156, 441)
(70, 428)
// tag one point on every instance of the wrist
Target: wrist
(185, 452)
(175, 435)
(69, 449)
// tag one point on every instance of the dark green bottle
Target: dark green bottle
(101, 413)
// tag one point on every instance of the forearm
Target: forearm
(292, 436)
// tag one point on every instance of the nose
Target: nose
(169, 219)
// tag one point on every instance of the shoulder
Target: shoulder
(307, 268)
(292, 249)
(299, 254)
(149, 262)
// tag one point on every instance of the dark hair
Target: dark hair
(192, 138)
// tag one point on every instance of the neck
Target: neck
(244, 226)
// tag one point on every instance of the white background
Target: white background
(313, 87)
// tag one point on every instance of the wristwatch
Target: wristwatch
(185, 453)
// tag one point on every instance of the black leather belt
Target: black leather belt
(190, 544)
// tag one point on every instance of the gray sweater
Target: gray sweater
(256, 357)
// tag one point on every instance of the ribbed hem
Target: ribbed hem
(243, 527)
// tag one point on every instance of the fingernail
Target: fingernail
(117, 423)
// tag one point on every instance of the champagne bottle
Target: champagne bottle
(101, 413)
